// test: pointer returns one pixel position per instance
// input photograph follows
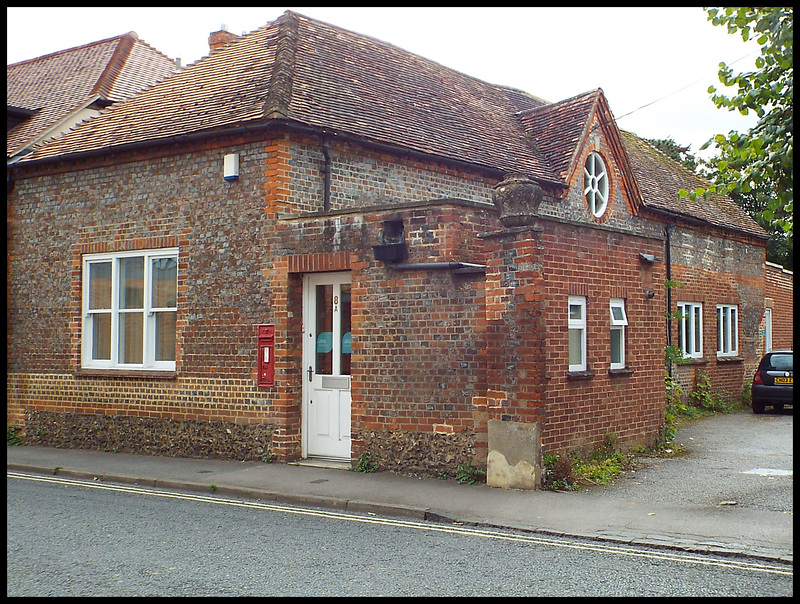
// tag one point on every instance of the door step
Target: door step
(321, 462)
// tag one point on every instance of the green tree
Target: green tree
(756, 204)
(679, 153)
(760, 161)
(780, 242)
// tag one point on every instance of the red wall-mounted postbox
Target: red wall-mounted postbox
(266, 355)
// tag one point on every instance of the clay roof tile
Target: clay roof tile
(57, 84)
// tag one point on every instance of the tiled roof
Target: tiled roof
(660, 178)
(315, 74)
(57, 85)
(409, 100)
(310, 73)
(558, 128)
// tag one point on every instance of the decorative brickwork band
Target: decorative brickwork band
(317, 263)
(578, 289)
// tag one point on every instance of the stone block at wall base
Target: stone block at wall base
(515, 455)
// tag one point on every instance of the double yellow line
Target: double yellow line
(631, 551)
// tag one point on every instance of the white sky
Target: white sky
(638, 56)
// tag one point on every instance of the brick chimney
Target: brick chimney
(220, 38)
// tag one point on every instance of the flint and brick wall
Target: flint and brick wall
(143, 202)
(417, 334)
(435, 353)
(241, 258)
(717, 268)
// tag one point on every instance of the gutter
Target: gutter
(160, 142)
(404, 150)
(700, 222)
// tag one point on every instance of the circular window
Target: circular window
(595, 184)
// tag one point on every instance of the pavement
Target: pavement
(624, 513)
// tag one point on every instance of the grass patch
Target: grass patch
(573, 472)
(365, 463)
(13, 439)
(466, 474)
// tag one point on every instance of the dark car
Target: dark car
(772, 383)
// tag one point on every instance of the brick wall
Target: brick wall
(515, 314)
(627, 405)
(417, 334)
(363, 179)
(435, 353)
(219, 227)
(779, 294)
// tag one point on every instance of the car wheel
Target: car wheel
(758, 407)
(778, 407)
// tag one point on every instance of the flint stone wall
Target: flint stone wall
(149, 435)
(420, 453)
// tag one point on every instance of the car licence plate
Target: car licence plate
(783, 380)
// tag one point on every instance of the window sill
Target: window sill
(580, 375)
(690, 361)
(730, 360)
(127, 373)
(623, 371)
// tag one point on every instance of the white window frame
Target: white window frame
(596, 186)
(767, 330)
(727, 330)
(149, 313)
(690, 329)
(579, 325)
(619, 321)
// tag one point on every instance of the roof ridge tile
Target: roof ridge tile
(115, 65)
(72, 49)
(279, 95)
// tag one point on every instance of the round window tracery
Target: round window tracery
(595, 183)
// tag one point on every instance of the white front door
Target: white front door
(326, 365)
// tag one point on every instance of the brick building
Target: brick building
(261, 257)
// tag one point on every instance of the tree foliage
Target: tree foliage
(679, 153)
(758, 163)
(780, 243)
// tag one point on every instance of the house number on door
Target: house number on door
(336, 304)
